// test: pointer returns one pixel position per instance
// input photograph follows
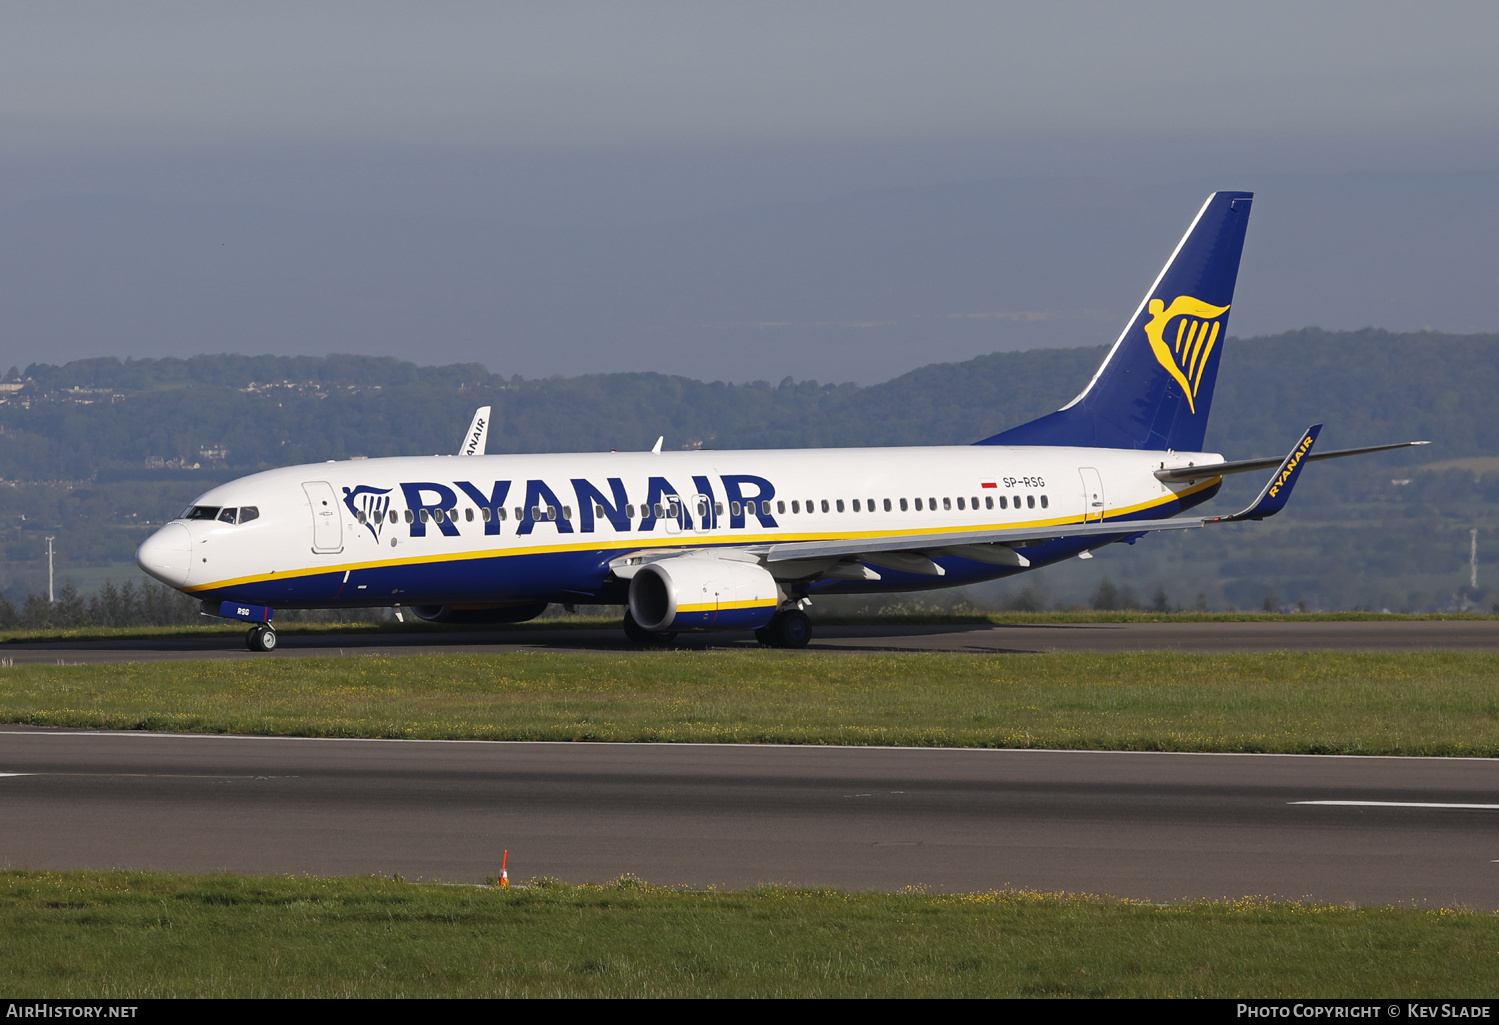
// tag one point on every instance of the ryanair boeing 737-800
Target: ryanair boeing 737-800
(741, 540)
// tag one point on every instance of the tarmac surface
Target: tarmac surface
(1206, 638)
(1150, 826)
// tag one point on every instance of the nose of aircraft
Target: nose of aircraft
(167, 554)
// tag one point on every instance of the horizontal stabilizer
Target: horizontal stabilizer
(1185, 473)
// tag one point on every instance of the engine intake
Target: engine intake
(702, 592)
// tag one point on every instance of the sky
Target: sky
(831, 190)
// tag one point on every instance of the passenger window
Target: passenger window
(437, 515)
(840, 506)
(796, 506)
(735, 509)
(988, 501)
(567, 512)
(1044, 503)
(500, 512)
(960, 503)
(871, 504)
(358, 516)
(932, 504)
(520, 514)
(947, 504)
(975, 501)
(1030, 501)
(903, 505)
(551, 512)
(856, 505)
(423, 515)
(1017, 501)
(468, 514)
(918, 505)
(887, 505)
(811, 506)
(658, 510)
(484, 514)
(749, 508)
(780, 507)
(1004, 503)
(629, 512)
(718, 508)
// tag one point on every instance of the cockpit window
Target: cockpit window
(201, 512)
(227, 516)
(248, 513)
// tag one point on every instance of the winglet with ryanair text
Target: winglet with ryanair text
(1277, 491)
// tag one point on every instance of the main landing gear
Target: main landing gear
(262, 637)
(789, 628)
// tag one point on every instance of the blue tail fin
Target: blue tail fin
(1156, 384)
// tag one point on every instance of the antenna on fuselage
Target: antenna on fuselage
(656, 448)
(478, 434)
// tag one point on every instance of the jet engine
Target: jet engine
(702, 592)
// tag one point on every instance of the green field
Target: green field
(1430, 703)
(134, 935)
(602, 618)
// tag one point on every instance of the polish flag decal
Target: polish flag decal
(989, 484)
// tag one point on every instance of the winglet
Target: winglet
(1277, 491)
(478, 434)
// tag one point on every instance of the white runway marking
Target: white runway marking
(15, 774)
(1403, 804)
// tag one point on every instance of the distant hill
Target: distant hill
(138, 438)
(241, 413)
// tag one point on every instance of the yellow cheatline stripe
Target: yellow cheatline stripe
(724, 606)
(624, 546)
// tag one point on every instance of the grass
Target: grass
(127, 935)
(1427, 703)
(820, 615)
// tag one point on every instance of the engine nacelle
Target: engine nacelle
(480, 614)
(700, 591)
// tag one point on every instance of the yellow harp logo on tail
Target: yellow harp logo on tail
(1184, 353)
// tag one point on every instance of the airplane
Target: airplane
(707, 540)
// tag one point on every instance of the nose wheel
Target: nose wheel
(261, 638)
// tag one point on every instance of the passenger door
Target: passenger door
(327, 523)
(1092, 495)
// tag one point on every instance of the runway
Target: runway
(1150, 826)
(1104, 638)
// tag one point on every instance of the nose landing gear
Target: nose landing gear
(262, 637)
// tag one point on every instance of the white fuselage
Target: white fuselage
(452, 529)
